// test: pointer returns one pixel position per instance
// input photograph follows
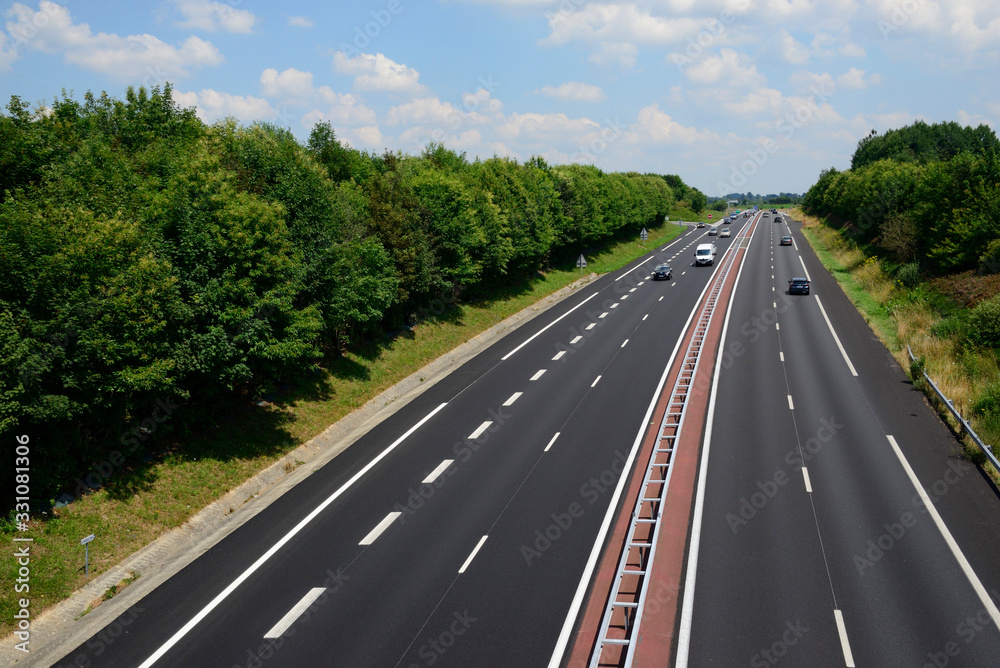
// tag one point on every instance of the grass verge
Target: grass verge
(134, 507)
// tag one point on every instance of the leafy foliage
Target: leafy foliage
(148, 260)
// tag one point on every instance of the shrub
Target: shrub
(909, 275)
(984, 323)
(989, 261)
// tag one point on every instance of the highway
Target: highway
(816, 546)
(456, 532)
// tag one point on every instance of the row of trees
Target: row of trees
(942, 214)
(149, 260)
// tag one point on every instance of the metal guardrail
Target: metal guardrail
(986, 449)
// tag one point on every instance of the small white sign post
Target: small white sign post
(86, 553)
(581, 262)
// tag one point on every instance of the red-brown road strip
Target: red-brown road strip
(656, 632)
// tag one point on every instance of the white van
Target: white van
(705, 254)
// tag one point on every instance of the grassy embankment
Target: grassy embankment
(930, 317)
(136, 506)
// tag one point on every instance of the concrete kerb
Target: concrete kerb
(66, 625)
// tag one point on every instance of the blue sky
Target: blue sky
(732, 95)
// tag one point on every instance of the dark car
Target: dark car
(798, 286)
(785, 241)
(777, 218)
(701, 224)
(663, 271)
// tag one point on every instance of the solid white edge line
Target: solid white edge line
(433, 475)
(966, 567)
(194, 621)
(805, 477)
(552, 441)
(845, 644)
(836, 338)
(532, 337)
(473, 554)
(380, 527)
(479, 430)
(538, 374)
(514, 397)
(698, 513)
(294, 613)
(803, 263)
(562, 642)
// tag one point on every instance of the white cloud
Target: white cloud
(655, 126)
(727, 68)
(574, 90)
(211, 105)
(131, 57)
(855, 79)
(292, 85)
(623, 54)
(212, 16)
(8, 54)
(378, 73)
(793, 50)
(301, 22)
(618, 23)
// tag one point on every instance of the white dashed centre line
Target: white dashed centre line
(805, 477)
(436, 473)
(552, 441)
(514, 397)
(791, 405)
(603, 315)
(590, 326)
(473, 555)
(558, 354)
(624, 343)
(294, 613)
(575, 339)
(379, 528)
(480, 429)
(538, 374)
(596, 380)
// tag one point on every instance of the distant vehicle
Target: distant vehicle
(663, 271)
(724, 232)
(705, 254)
(798, 286)
(713, 231)
(777, 219)
(701, 224)
(785, 241)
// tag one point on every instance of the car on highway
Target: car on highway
(785, 241)
(798, 286)
(777, 219)
(724, 232)
(713, 231)
(701, 224)
(662, 271)
(705, 254)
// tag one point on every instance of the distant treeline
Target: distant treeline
(148, 260)
(929, 195)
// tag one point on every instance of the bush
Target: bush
(909, 275)
(984, 323)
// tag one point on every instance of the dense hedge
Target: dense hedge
(149, 261)
(940, 208)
